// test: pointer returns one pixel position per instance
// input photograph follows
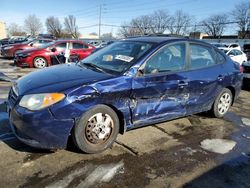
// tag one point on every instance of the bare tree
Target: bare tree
(179, 23)
(107, 36)
(71, 27)
(54, 26)
(14, 29)
(241, 14)
(33, 25)
(143, 24)
(127, 30)
(160, 21)
(215, 25)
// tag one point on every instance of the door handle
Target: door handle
(182, 84)
(220, 77)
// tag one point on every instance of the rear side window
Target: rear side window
(78, 45)
(201, 57)
(220, 58)
(237, 52)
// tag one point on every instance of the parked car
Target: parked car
(128, 84)
(236, 55)
(14, 40)
(102, 45)
(246, 49)
(227, 46)
(47, 36)
(41, 57)
(96, 44)
(11, 49)
(246, 73)
(4, 41)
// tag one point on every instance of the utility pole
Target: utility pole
(100, 21)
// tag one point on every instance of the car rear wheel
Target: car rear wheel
(40, 62)
(96, 130)
(222, 103)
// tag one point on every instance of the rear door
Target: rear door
(80, 49)
(159, 91)
(206, 75)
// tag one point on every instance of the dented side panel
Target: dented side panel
(113, 92)
(158, 97)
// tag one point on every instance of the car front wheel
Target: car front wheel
(222, 103)
(96, 130)
(40, 62)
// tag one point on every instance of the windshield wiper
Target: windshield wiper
(94, 66)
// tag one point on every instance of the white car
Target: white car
(227, 46)
(236, 55)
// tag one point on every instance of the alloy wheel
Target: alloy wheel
(224, 103)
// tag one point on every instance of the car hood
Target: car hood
(30, 50)
(58, 78)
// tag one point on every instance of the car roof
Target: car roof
(161, 39)
(151, 39)
(69, 40)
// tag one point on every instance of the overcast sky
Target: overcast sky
(114, 12)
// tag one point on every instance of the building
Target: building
(3, 33)
(197, 35)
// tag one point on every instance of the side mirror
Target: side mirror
(231, 55)
(53, 49)
(31, 44)
(140, 72)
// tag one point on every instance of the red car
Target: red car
(43, 56)
(11, 49)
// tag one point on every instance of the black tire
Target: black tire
(43, 62)
(84, 135)
(217, 110)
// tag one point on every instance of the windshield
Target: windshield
(117, 57)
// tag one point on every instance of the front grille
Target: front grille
(12, 97)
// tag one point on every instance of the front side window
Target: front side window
(61, 46)
(200, 57)
(169, 58)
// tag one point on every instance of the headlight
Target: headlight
(23, 55)
(40, 101)
(8, 47)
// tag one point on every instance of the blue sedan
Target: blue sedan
(130, 83)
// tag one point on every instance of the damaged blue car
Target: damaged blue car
(130, 83)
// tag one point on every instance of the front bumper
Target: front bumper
(22, 62)
(6, 53)
(39, 129)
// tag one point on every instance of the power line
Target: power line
(191, 25)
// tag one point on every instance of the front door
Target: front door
(159, 92)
